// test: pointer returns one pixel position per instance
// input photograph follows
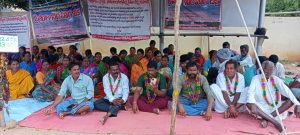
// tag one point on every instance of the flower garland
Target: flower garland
(263, 85)
(151, 95)
(3, 67)
(236, 82)
(111, 85)
(4, 91)
(194, 96)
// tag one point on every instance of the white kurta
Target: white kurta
(279, 71)
(220, 104)
(255, 93)
(246, 61)
(121, 92)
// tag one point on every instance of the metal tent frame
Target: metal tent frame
(259, 38)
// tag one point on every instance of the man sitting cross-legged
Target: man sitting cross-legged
(196, 97)
(116, 88)
(154, 88)
(259, 98)
(232, 93)
(81, 88)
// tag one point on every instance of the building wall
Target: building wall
(283, 33)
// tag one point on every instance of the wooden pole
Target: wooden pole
(91, 39)
(175, 91)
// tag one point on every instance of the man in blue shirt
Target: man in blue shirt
(82, 92)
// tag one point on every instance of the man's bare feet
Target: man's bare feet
(156, 111)
(264, 123)
(226, 114)
(83, 113)
(103, 119)
(63, 114)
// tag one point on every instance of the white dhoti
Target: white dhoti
(220, 104)
(255, 94)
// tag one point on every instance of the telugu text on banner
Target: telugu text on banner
(59, 24)
(120, 20)
(203, 15)
(9, 43)
(18, 26)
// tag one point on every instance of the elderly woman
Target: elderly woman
(46, 89)
(20, 81)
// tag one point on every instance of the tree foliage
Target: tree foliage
(282, 5)
(24, 4)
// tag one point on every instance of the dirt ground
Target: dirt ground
(31, 131)
(292, 68)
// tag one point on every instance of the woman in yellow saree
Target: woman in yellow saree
(20, 82)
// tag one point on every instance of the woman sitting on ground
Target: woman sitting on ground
(211, 62)
(45, 89)
(63, 71)
(167, 73)
(89, 69)
(103, 69)
(20, 82)
(27, 64)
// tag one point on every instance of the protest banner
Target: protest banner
(120, 20)
(204, 15)
(9, 43)
(59, 24)
(16, 25)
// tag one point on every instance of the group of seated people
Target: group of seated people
(227, 82)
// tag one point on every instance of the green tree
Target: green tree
(24, 4)
(283, 6)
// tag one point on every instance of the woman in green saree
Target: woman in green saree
(46, 88)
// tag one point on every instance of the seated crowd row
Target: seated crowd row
(227, 82)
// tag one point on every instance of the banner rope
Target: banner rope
(260, 67)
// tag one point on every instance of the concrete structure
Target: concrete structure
(283, 33)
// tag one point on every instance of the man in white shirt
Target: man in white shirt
(245, 61)
(259, 98)
(278, 70)
(116, 88)
(231, 95)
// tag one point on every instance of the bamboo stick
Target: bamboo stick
(175, 91)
